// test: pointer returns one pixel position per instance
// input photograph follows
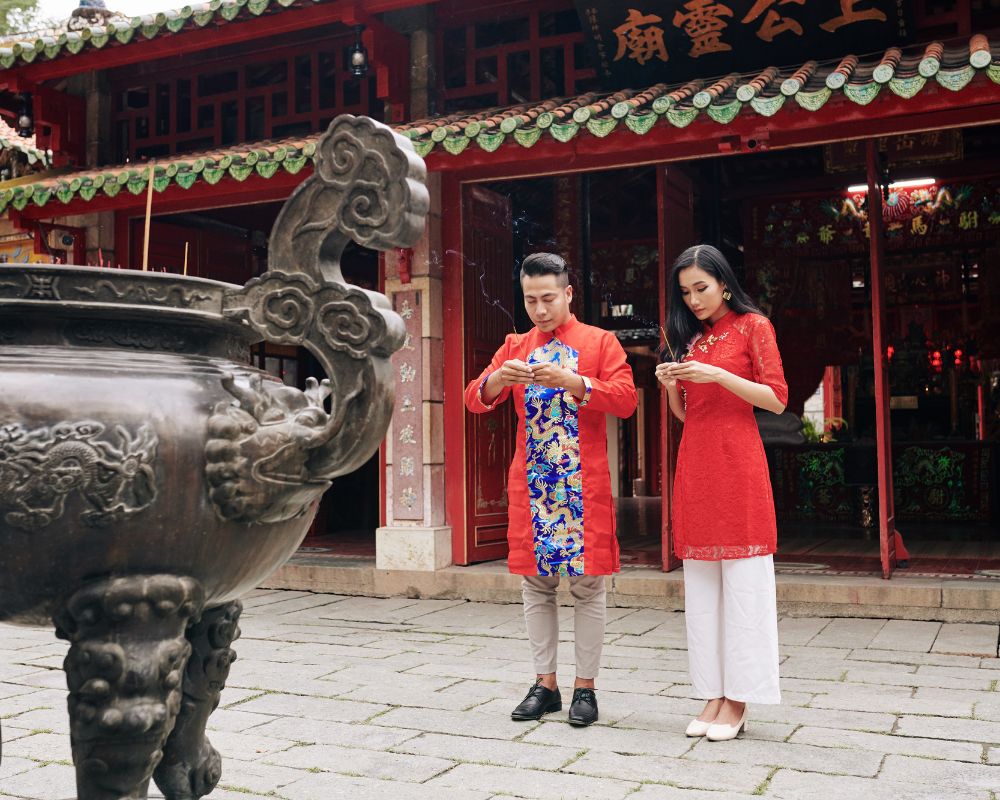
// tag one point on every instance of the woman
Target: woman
(723, 511)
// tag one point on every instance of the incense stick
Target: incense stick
(666, 341)
(185, 258)
(149, 208)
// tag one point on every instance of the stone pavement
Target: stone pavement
(354, 697)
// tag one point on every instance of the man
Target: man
(564, 377)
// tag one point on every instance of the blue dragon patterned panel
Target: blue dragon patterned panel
(555, 481)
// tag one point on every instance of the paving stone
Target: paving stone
(38, 746)
(363, 763)
(799, 630)
(959, 730)
(898, 678)
(52, 720)
(941, 774)
(907, 635)
(887, 743)
(255, 776)
(313, 707)
(993, 755)
(903, 657)
(328, 786)
(654, 791)
(808, 758)
(848, 633)
(533, 784)
(523, 755)
(891, 703)
(372, 737)
(680, 772)
(246, 746)
(615, 740)
(236, 720)
(639, 621)
(12, 765)
(50, 782)
(470, 723)
(789, 784)
(968, 639)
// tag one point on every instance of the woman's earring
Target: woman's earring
(727, 295)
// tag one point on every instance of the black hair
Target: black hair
(546, 264)
(682, 324)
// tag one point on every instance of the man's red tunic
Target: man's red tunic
(561, 514)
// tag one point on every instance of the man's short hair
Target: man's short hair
(546, 264)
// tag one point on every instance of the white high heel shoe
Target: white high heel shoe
(723, 733)
(697, 728)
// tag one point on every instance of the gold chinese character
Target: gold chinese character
(773, 23)
(704, 24)
(826, 234)
(406, 435)
(409, 497)
(968, 220)
(408, 342)
(407, 373)
(918, 226)
(905, 142)
(930, 138)
(849, 14)
(406, 467)
(640, 43)
(407, 405)
(406, 310)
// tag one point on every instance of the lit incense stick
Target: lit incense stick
(149, 208)
(666, 341)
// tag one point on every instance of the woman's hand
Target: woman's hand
(693, 372)
(663, 375)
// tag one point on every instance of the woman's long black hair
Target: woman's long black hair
(682, 324)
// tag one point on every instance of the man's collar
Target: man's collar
(565, 327)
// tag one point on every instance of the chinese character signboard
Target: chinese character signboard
(931, 215)
(909, 148)
(407, 420)
(642, 42)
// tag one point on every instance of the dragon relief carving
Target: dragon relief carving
(273, 449)
(41, 468)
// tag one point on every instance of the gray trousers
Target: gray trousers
(541, 617)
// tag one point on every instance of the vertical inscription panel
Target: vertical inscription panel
(407, 418)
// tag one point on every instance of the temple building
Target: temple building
(842, 153)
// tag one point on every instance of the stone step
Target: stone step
(917, 598)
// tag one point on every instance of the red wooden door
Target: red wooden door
(489, 438)
(675, 202)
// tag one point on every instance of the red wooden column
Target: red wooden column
(675, 206)
(883, 432)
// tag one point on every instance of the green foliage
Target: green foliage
(815, 435)
(18, 16)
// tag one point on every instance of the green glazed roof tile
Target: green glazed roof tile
(527, 137)
(453, 134)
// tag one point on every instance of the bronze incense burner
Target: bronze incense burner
(149, 476)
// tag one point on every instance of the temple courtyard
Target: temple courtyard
(408, 699)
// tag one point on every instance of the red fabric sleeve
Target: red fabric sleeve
(766, 360)
(613, 389)
(473, 392)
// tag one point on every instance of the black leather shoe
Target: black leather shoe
(583, 709)
(536, 702)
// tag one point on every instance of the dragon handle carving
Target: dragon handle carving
(273, 449)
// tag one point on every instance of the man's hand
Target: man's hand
(514, 372)
(552, 376)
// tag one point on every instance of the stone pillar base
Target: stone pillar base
(412, 548)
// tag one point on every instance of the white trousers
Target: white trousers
(732, 629)
(541, 618)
